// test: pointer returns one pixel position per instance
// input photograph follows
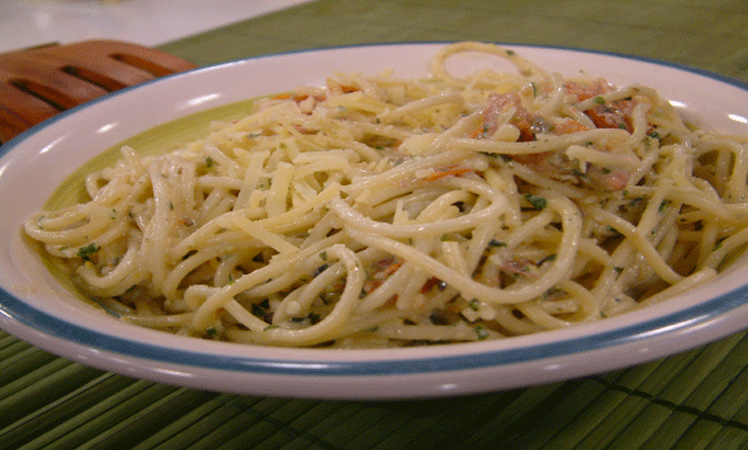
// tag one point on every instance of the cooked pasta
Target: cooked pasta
(376, 211)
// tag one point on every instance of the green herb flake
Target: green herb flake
(474, 304)
(481, 332)
(208, 162)
(319, 270)
(495, 243)
(549, 258)
(327, 298)
(614, 232)
(258, 311)
(599, 100)
(212, 332)
(537, 202)
(85, 252)
(270, 327)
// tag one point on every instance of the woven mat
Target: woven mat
(697, 399)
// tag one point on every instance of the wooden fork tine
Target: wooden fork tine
(11, 124)
(37, 83)
(152, 60)
(118, 64)
(19, 111)
(103, 71)
(48, 83)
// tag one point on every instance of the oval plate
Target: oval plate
(35, 307)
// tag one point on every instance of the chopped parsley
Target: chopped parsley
(481, 332)
(614, 232)
(258, 311)
(537, 202)
(320, 269)
(549, 258)
(314, 318)
(85, 252)
(212, 332)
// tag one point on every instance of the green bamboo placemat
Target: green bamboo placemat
(697, 399)
(693, 400)
(708, 35)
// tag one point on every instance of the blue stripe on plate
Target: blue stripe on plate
(679, 322)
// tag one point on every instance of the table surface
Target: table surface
(697, 399)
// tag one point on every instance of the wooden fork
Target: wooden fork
(37, 83)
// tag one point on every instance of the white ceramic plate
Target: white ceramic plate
(34, 307)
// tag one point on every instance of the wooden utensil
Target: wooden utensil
(38, 83)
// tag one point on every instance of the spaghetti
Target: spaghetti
(376, 212)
